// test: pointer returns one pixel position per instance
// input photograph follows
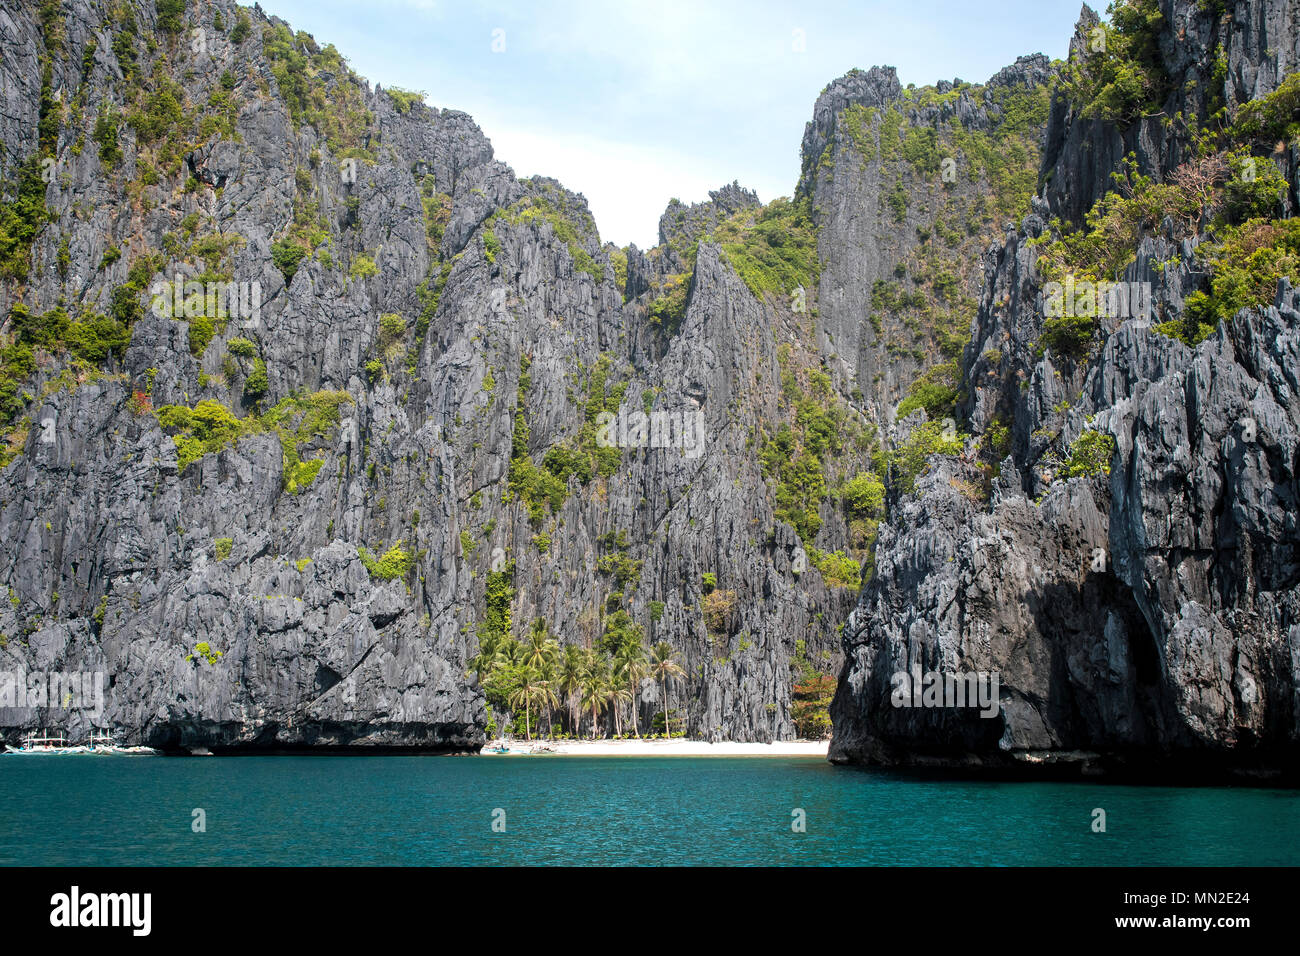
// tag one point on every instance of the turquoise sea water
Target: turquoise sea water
(424, 811)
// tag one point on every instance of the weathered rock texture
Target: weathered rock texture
(114, 556)
(473, 320)
(1144, 623)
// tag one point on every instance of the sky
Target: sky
(633, 104)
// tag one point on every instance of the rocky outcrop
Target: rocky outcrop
(1207, 61)
(287, 529)
(1142, 622)
(908, 187)
(681, 225)
(226, 601)
(1152, 617)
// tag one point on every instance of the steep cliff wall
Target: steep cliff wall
(1130, 572)
(305, 526)
(439, 419)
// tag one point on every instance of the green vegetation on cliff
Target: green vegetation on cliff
(1120, 74)
(904, 464)
(319, 90)
(207, 427)
(668, 307)
(1090, 456)
(299, 420)
(570, 224)
(1228, 197)
(819, 437)
(1004, 156)
(1245, 263)
(774, 248)
(22, 216)
(394, 564)
(545, 487)
(1224, 187)
(88, 340)
(296, 420)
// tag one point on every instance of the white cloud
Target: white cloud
(672, 49)
(419, 6)
(627, 186)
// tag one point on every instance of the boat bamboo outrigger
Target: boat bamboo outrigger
(101, 744)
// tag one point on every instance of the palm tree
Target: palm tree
(540, 651)
(496, 665)
(594, 682)
(506, 653)
(664, 666)
(481, 663)
(546, 695)
(528, 689)
(540, 646)
(617, 693)
(630, 666)
(570, 672)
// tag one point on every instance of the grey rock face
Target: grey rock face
(877, 87)
(1260, 44)
(225, 603)
(1154, 614)
(884, 213)
(1143, 621)
(227, 600)
(680, 226)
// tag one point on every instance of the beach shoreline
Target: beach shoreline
(661, 748)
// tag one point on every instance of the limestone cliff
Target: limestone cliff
(1140, 608)
(316, 414)
(293, 519)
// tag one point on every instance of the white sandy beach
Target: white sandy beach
(666, 748)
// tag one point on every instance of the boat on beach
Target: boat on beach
(501, 747)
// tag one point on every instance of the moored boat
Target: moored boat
(98, 745)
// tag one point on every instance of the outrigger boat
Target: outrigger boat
(501, 748)
(43, 745)
(99, 744)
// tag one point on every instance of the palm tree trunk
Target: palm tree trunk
(667, 727)
(636, 729)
